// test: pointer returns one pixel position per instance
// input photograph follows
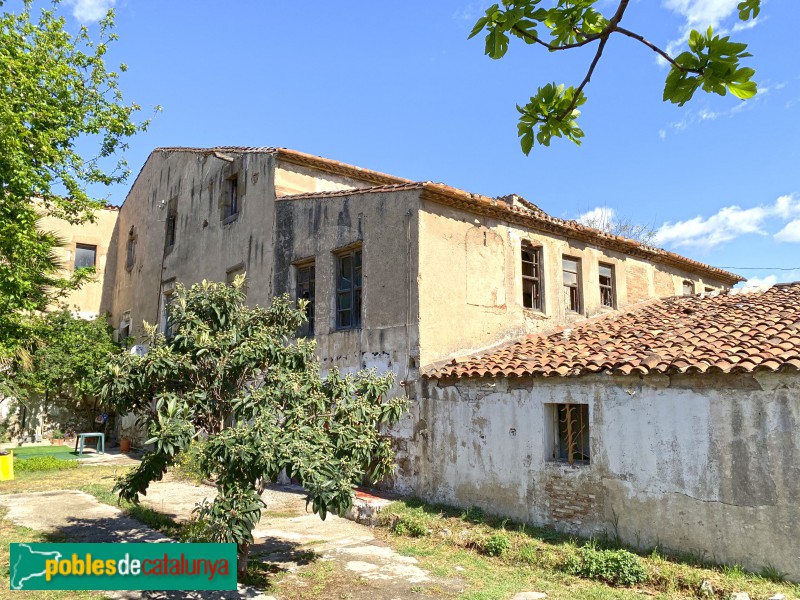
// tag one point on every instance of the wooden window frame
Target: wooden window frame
(305, 283)
(535, 279)
(571, 434)
(577, 288)
(353, 292)
(608, 291)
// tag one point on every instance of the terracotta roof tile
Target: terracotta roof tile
(725, 332)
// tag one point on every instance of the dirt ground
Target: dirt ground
(314, 558)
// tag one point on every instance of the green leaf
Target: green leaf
(745, 90)
(749, 9)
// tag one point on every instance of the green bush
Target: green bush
(409, 526)
(187, 464)
(616, 567)
(196, 531)
(43, 463)
(497, 544)
(474, 514)
(58, 434)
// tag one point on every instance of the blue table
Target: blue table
(82, 436)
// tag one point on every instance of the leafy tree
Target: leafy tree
(56, 94)
(236, 376)
(711, 63)
(62, 365)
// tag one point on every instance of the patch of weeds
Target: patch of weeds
(43, 463)
(474, 514)
(615, 567)
(497, 544)
(770, 573)
(152, 518)
(734, 571)
(410, 526)
(528, 554)
(259, 574)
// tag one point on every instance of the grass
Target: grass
(464, 544)
(11, 533)
(59, 452)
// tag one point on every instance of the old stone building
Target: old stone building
(476, 303)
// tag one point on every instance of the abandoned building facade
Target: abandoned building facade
(476, 303)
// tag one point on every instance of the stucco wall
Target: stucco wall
(471, 286)
(703, 463)
(206, 246)
(87, 301)
(297, 179)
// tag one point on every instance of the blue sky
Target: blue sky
(397, 87)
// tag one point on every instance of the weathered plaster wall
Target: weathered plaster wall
(88, 300)
(297, 179)
(701, 463)
(207, 246)
(471, 286)
(385, 225)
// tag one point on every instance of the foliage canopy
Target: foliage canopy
(712, 62)
(62, 121)
(236, 376)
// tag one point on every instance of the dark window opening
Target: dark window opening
(688, 288)
(231, 207)
(131, 257)
(348, 290)
(571, 268)
(305, 291)
(85, 256)
(607, 286)
(531, 276)
(172, 222)
(165, 316)
(570, 433)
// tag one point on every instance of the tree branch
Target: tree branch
(655, 49)
(524, 34)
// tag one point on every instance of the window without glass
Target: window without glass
(348, 290)
(85, 256)
(571, 268)
(688, 288)
(305, 291)
(531, 276)
(172, 222)
(231, 206)
(131, 256)
(607, 285)
(570, 433)
(166, 323)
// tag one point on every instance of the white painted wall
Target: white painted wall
(701, 463)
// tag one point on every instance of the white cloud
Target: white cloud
(728, 224)
(761, 281)
(771, 279)
(600, 217)
(699, 14)
(790, 233)
(90, 10)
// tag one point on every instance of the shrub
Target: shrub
(497, 544)
(196, 531)
(409, 526)
(187, 464)
(43, 463)
(616, 567)
(57, 434)
(474, 514)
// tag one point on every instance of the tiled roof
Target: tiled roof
(734, 332)
(375, 189)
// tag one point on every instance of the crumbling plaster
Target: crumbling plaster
(697, 463)
(470, 283)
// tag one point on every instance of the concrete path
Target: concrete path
(287, 536)
(75, 516)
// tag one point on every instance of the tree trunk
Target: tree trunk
(243, 553)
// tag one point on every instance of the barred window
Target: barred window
(570, 433)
